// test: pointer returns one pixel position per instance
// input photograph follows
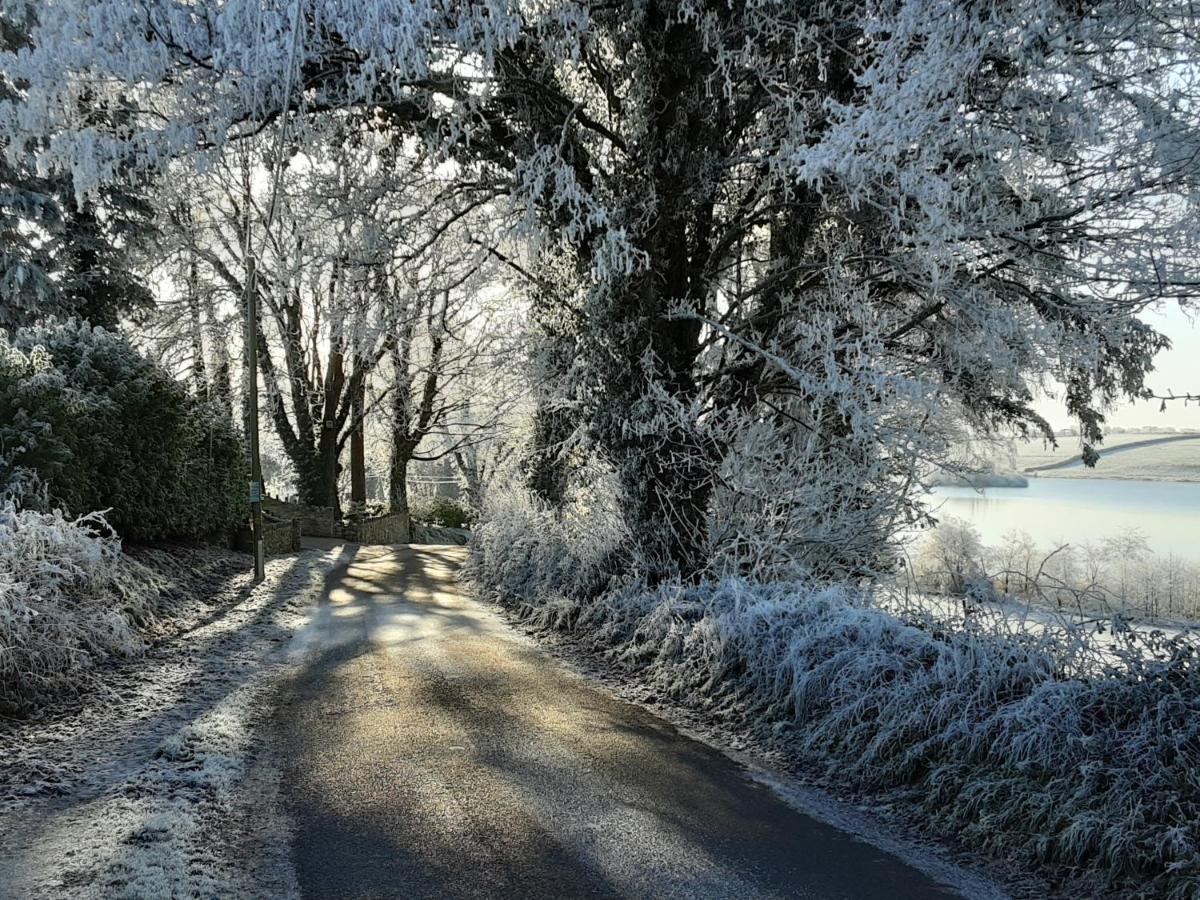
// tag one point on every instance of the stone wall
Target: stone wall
(389, 529)
(278, 537)
(319, 521)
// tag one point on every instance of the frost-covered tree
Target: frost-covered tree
(951, 557)
(805, 232)
(446, 353)
(422, 249)
(195, 324)
(26, 208)
(60, 252)
(360, 278)
(321, 329)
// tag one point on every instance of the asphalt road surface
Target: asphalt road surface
(430, 751)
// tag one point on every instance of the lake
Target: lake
(1061, 510)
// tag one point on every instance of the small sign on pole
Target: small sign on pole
(256, 492)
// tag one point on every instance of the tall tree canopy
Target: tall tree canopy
(62, 252)
(795, 236)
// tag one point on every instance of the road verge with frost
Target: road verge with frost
(1003, 738)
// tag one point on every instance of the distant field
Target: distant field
(1166, 462)
(1176, 461)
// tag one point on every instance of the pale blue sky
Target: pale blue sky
(1177, 369)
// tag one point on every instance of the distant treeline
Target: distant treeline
(1117, 574)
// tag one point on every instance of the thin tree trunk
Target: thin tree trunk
(398, 487)
(200, 383)
(358, 466)
(330, 469)
(546, 472)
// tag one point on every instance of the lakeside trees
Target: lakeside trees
(796, 235)
(774, 254)
(1117, 575)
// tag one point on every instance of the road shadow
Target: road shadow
(430, 752)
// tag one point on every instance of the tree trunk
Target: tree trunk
(317, 474)
(545, 468)
(398, 487)
(200, 385)
(358, 467)
(330, 468)
(328, 449)
(222, 393)
(647, 422)
(472, 472)
(668, 476)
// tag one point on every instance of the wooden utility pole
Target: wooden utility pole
(256, 485)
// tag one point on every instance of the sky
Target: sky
(1176, 369)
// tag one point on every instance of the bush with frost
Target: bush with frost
(105, 428)
(442, 511)
(68, 599)
(1019, 740)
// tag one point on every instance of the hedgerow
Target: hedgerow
(107, 429)
(441, 511)
(1020, 741)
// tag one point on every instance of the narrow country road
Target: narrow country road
(430, 751)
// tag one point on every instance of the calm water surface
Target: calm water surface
(1075, 510)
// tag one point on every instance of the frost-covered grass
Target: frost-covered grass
(1175, 461)
(71, 599)
(68, 598)
(1010, 740)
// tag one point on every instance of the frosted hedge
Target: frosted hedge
(1008, 740)
(68, 599)
(105, 428)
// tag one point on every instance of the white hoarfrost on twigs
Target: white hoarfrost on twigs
(150, 786)
(1003, 738)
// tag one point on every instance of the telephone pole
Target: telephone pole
(256, 485)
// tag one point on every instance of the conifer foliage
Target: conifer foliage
(105, 429)
(61, 252)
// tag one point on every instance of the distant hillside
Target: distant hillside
(1146, 457)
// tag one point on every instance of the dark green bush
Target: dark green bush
(105, 428)
(442, 511)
